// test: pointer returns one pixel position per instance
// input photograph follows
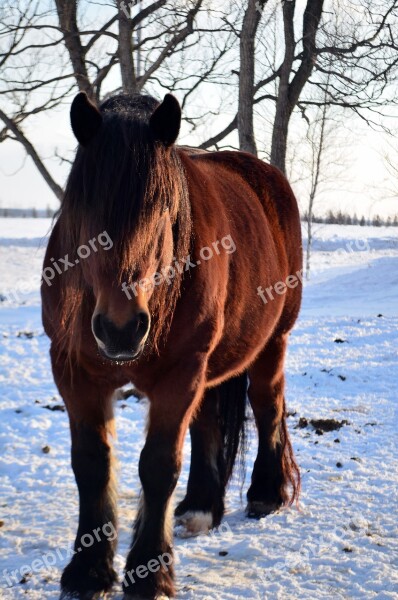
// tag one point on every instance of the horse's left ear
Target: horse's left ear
(165, 121)
(85, 118)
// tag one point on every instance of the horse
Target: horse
(153, 276)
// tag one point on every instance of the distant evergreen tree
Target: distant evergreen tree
(330, 218)
(362, 222)
(340, 219)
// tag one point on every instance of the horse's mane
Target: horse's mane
(121, 183)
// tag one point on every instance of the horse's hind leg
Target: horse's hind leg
(216, 434)
(275, 470)
(203, 505)
(89, 405)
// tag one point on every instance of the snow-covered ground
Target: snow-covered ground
(342, 365)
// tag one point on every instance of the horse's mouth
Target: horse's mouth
(121, 356)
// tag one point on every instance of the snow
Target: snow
(341, 543)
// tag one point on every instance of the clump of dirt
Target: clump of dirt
(55, 407)
(321, 425)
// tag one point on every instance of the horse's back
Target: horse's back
(271, 188)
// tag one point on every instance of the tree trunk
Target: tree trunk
(127, 70)
(283, 107)
(289, 91)
(67, 16)
(280, 132)
(250, 23)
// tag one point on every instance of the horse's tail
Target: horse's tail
(290, 468)
(232, 419)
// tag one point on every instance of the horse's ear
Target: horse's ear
(165, 121)
(85, 118)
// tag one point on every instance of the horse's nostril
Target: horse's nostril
(98, 327)
(142, 319)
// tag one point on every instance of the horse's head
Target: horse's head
(127, 184)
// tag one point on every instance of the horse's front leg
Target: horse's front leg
(149, 568)
(89, 405)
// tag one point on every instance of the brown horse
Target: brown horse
(152, 276)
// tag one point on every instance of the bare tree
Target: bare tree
(317, 137)
(360, 40)
(50, 48)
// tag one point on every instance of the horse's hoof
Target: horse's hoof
(193, 523)
(257, 509)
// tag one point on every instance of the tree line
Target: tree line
(340, 218)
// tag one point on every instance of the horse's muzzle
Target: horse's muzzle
(121, 344)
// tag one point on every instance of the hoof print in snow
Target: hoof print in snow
(46, 449)
(223, 553)
(340, 341)
(339, 465)
(25, 334)
(342, 377)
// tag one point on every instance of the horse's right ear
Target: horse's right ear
(85, 118)
(165, 121)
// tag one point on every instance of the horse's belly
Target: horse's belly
(241, 343)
